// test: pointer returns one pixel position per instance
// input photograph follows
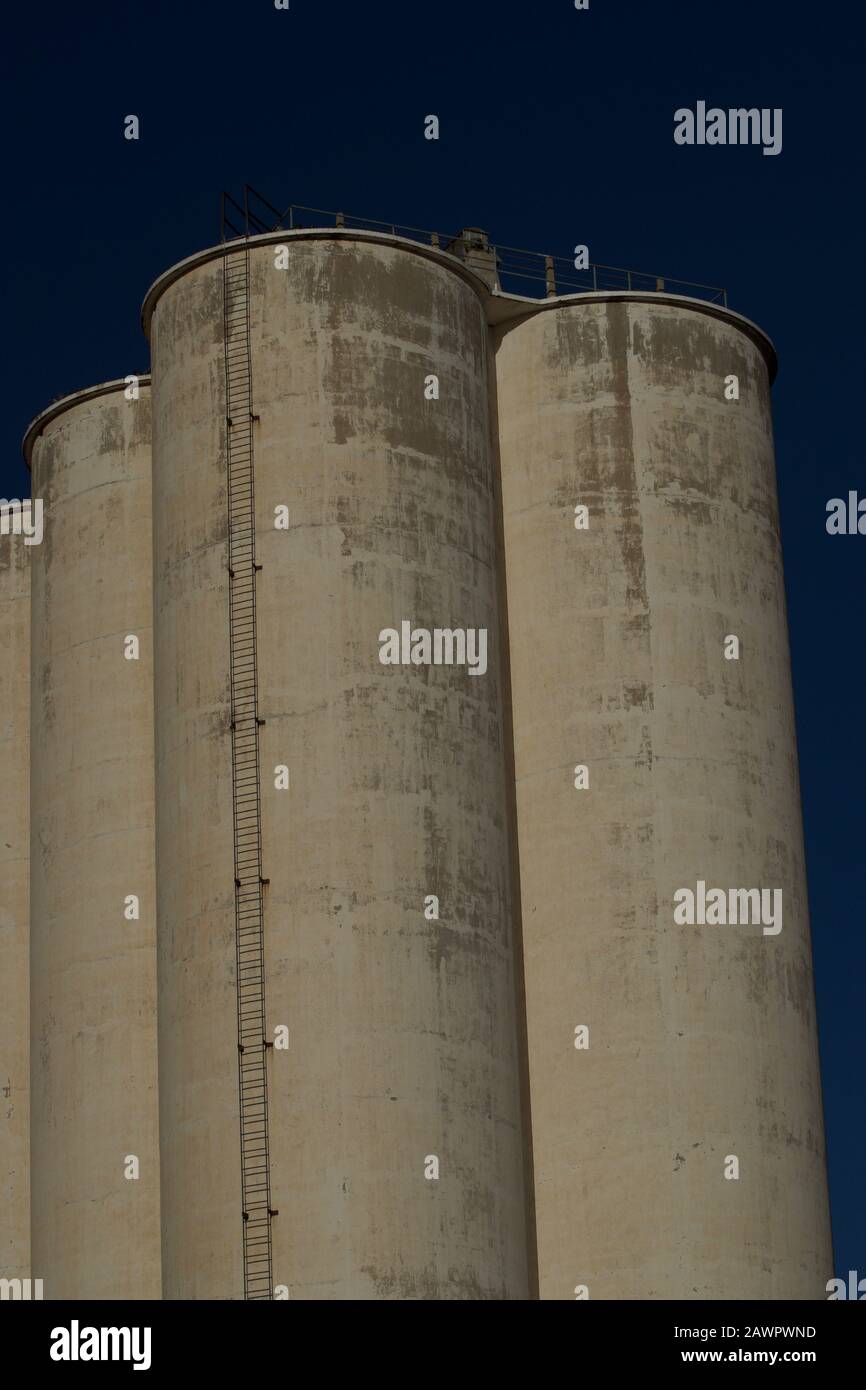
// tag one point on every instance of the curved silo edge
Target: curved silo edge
(510, 310)
(64, 403)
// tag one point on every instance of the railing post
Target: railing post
(341, 219)
(628, 274)
(595, 277)
(660, 284)
(549, 277)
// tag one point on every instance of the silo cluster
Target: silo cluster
(359, 979)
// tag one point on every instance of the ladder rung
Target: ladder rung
(246, 802)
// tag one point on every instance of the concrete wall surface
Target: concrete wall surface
(93, 958)
(15, 907)
(402, 1028)
(702, 1041)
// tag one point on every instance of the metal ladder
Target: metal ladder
(249, 914)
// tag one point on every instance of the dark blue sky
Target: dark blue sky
(556, 128)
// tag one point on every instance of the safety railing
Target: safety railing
(530, 273)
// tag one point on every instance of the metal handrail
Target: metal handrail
(557, 274)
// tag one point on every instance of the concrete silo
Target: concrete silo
(15, 905)
(377, 1038)
(702, 1042)
(95, 1228)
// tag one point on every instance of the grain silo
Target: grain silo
(348, 817)
(430, 1026)
(15, 552)
(650, 759)
(95, 1169)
